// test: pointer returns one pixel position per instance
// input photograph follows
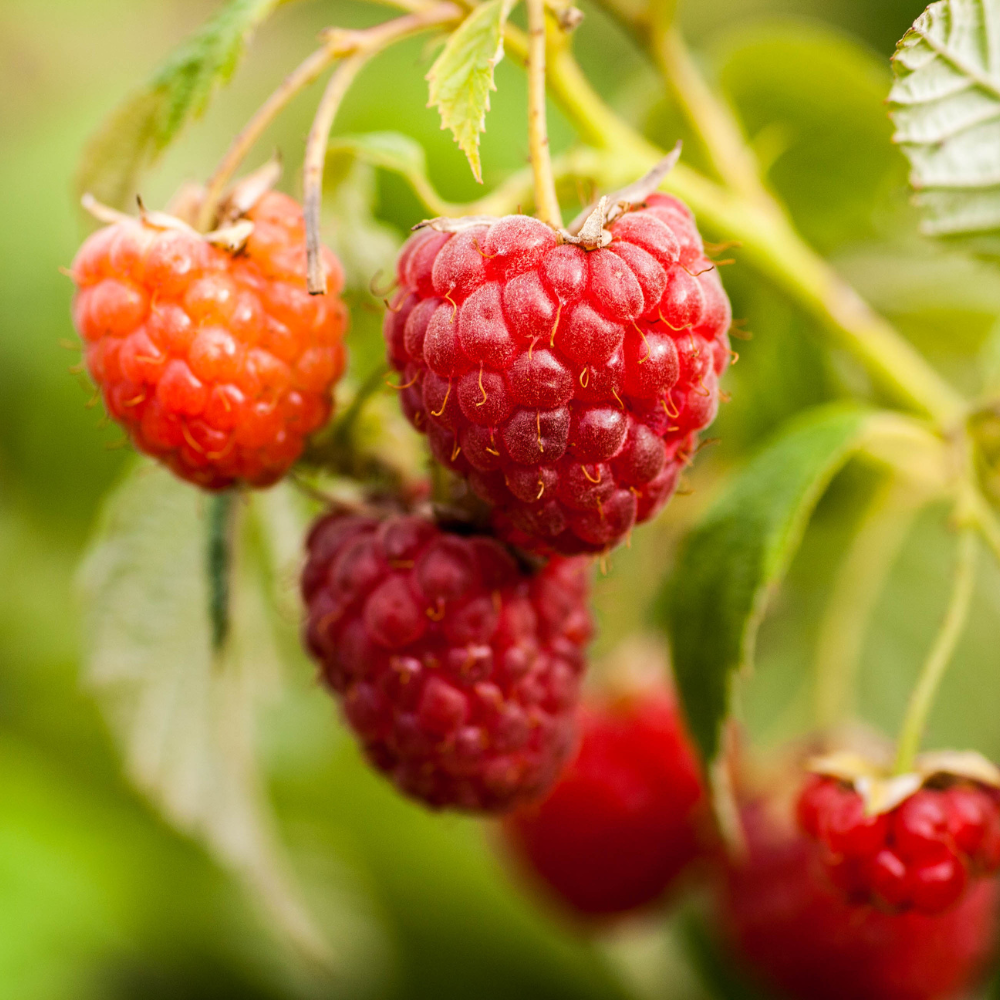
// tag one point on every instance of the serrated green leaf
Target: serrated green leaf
(141, 128)
(462, 76)
(945, 104)
(184, 714)
(730, 563)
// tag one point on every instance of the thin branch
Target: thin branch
(546, 202)
(315, 158)
(922, 698)
(856, 588)
(708, 115)
(300, 78)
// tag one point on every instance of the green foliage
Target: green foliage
(946, 107)
(812, 103)
(729, 565)
(462, 76)
(142, 128)
(183, 709)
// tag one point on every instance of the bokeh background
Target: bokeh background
(99, 896)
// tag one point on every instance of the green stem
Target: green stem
(856, 587)
(922, 698)
(219, 563)
(713, 122)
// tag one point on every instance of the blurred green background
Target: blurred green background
(99, 898)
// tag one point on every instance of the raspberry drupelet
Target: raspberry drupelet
(919, 856)
(567, 385)
(457, 668)
(218, 364)
(620, 824)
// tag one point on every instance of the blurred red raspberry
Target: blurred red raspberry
(919, 856)
(799, 935)
(458, 669)
(619, 825)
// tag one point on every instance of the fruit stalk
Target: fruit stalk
(933, 670)
(315, 158)
(546, 201)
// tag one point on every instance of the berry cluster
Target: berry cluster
(918, 856)
(619, 826)
(799, 935)
(567, 385)
(217, 364)
(458, 669)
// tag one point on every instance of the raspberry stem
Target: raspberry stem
(856, 587)
(219, 562)
(315, 158)
(922, 698)
(300, 78)
(546, 201)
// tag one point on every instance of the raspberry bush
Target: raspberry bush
(560, 374)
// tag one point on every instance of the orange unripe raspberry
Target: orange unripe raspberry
(218, 364)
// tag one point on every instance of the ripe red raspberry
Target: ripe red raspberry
(799, 935)
(566, 384)
(918, 856)
(458, 669)
(217, 364)
(619, 825)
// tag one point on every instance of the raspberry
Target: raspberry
(804, 940)
(918, 856)
(458, 669)
(619, 825)
(567, 385)
(217, 364)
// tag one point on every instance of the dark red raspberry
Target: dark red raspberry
(796, 932)
(217, 364)
(566, 384)
(918, 856)
(619, 825)
(458, 669)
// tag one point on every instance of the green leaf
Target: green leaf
(462, 76)
(184, 713)
(945, 104)
(731, 562)
(141, 128)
